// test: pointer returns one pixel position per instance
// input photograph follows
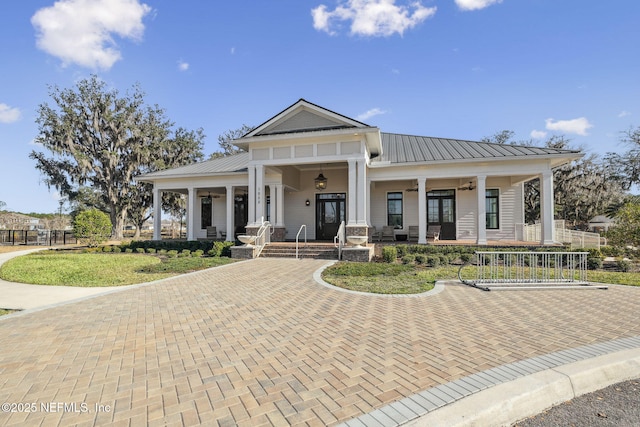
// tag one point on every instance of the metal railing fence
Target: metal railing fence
(37, 237)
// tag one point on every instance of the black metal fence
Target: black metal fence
(37, 237)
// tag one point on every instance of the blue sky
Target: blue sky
(450, 68)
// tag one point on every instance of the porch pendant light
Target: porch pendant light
(321, 182)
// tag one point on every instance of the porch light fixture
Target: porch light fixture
(307, 202)
(321, 181)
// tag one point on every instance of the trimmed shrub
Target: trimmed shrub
(421, 258)
(107, 249)
(184, 253)
(172, 253)
(116, 250)
(433, 261)
(465, 257)
(594, 259)
(408, 259)
(151, 250)
(128, 250)
(623, 265)
(402, 250)
(92, 227)
(197, 254)
(389, 254)
(140, 250)
(444, 259)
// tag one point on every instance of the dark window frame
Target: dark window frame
(398, 225)
(206, 212)
(492, 194)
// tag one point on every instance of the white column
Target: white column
(157, 214)
(361, 192)
(422, 210)
(279, 205)
(353, 179)
(230, 213)
(251, 215)
(368, 202)
(191, 213)
(546, 209)
(260, 197)
(481, 223)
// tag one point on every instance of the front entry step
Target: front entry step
(310, 251)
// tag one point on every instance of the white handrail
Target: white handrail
(303, 226)
(263, 237)
(339, 239)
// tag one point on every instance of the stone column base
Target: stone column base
(363, 254)
(243, 252)
(357, 230)
(279, 234)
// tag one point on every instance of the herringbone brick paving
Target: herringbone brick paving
(260, 343)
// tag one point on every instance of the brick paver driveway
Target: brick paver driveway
(260, 343)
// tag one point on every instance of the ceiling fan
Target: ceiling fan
(415, 188)
(468, 186)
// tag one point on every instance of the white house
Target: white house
(473, 190)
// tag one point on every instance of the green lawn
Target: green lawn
(382, 278)
(614, 277)
(96, 269)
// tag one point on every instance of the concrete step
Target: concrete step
(310, 251)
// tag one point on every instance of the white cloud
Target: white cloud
(624, 114)
(9, 114)
(372, 112)
(373, 18)
(81, 31)
(475, 4)
(578, 126)
(183, 66)
(538, 134)
(233, 50)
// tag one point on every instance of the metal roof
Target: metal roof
(222, 165)
(398, 148)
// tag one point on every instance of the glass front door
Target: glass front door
(441, 210)
(330, 212)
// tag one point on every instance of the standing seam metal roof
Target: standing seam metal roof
(399, 148)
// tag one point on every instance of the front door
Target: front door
(441, 210)
(241, 213)
(330, 212)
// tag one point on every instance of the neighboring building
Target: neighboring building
(472, 190)
(16, 221)
(601, 223)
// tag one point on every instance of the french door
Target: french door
(441, 210)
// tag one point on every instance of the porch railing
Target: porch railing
(302, 227)
(515, 268)
(340, 239)
(577, 239)
(263, 237)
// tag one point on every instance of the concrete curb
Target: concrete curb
(506, 394)
(508, 403)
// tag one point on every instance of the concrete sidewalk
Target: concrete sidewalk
(262, 343)
(20, 296)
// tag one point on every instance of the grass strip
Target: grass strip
(94, 269)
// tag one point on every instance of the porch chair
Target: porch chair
(387, 233)
(211, 232)
(413, 232)
(433, 232)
